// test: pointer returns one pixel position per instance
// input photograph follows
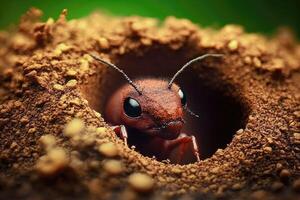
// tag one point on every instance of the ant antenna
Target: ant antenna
(191, 112)
(191, 62)
(119, 70)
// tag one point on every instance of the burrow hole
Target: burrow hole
(221, 114)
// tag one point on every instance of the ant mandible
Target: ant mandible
(150, 111)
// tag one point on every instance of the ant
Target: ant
(150, 111)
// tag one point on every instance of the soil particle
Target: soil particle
(57, 86)
(276, 186)
(74, 127)
(108, 149)
(284, 174)
(71, 72)
(71, 83)
(55, 160)
(113, 167)
(141, 182)
(296, 185)
(268, 149)
(48, 141)
(233, 45)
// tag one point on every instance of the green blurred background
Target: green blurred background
(255, 15)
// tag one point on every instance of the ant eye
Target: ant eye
(182, 97)
(132, 108)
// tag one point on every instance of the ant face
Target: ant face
(152, 106)
(158, 111)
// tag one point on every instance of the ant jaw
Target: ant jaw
(169, 135)
(167, 131)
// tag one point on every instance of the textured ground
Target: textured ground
(55, 143)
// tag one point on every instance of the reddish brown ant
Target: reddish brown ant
(150, 111)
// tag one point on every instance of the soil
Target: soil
(55, 143)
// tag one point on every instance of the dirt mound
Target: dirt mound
(55, 142)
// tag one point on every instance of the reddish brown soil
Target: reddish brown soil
(47, 79)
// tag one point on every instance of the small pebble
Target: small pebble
(247, 60)
(57, 86)
(215, 170)
(50, 21)
(88, 57)
(71, 72)
(94, 164)
(60, 49)
(233, 45)
(24, 120)
(297, 136)
(84, 65)
(176, 170)
(74, 127)
(285, 174)
(47, 141)
(71, 83)
(55, 160)
(13, 145)
(240, 131)
(108, 149)
(96, 113)
(278, 166)
(32, 130)
(141, 182)
(146, 41)
(113, 167)
(296, 185)
(86, 102)
(270, 140)
(75, 101)
(276, 186)
(103, 43)
(18, 103)
(237, 186)
(257, 62)
(297, 113)
(101, 130)
(63, 47)
(268, 149)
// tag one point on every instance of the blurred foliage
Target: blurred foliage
(255, 15)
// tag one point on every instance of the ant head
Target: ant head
(152, 106)
(158, 111)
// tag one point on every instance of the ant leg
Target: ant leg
(182, 149)
(121, 132)
(182, 142)
(195, 148)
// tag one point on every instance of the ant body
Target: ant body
(150, 111)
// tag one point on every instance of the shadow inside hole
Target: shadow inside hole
(221, 114)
